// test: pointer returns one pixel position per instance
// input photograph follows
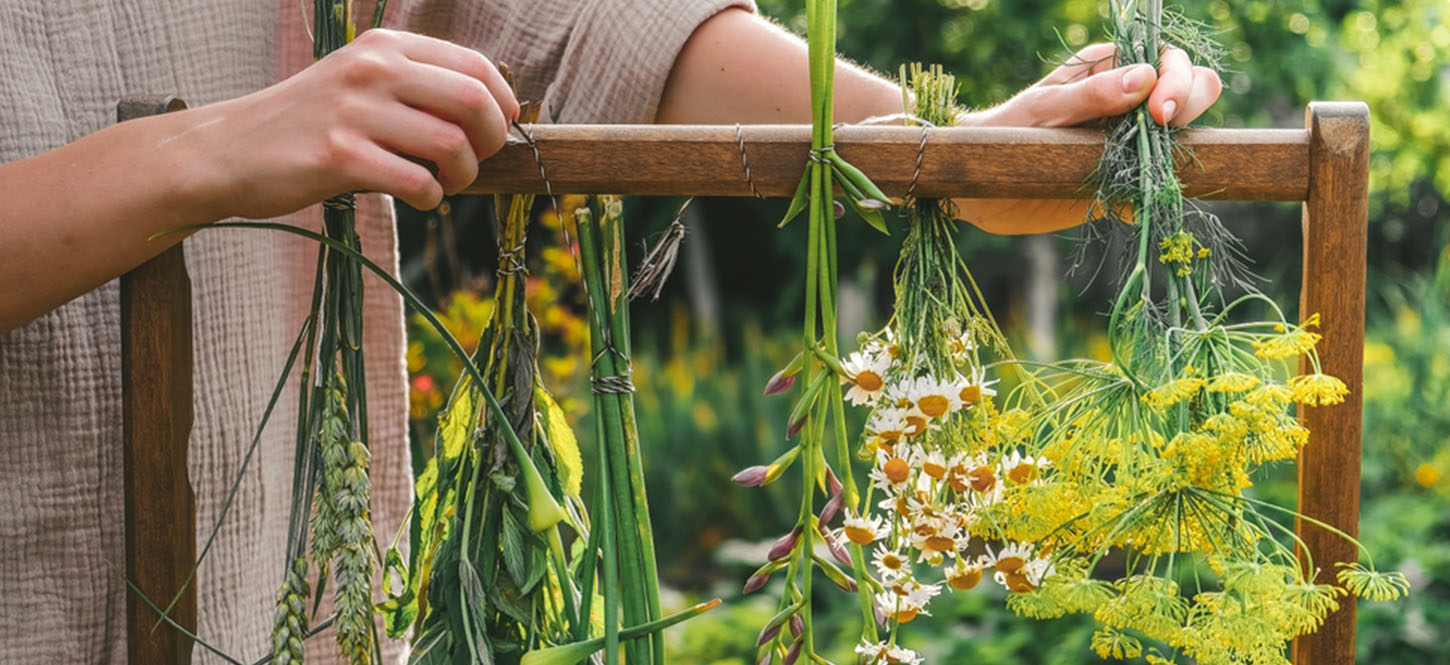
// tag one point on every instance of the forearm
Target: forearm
(77, 216)
(739, 67)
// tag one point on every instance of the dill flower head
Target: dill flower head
(1232, 382)
(1173, 392)
(1290, 343)
(1318, 389)
(1372, 584)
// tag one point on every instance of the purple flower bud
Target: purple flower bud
(849, 585)
(795, 428)
(880, 615)
(784, 545)
(838, 209)
(756, 582)
(767, 635)
(753, 476)
(832, 482)
(832, 507)
(793, 653)
(768, 657)
(797, 626)
(779, 383)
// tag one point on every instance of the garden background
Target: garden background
(729, 314)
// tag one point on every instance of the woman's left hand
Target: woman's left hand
(1090, 87)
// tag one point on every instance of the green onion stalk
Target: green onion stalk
(625, 541)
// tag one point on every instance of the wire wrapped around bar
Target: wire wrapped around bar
(343, 201)
(745, 161)
(920, 156)
(617, 384)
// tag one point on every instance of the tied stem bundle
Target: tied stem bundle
(820, 401)
(625, 535)
(489, 578)
(331, 481)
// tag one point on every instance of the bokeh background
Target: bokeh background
(729, 316)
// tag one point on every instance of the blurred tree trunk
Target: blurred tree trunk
(701, 283)
(1043, 278)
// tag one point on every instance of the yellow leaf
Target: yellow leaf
(457, 423)
(561, 441)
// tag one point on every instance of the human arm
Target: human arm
(76, 216)
(739, 67)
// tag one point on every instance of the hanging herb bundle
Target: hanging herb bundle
(1149, 455)
(331, 489)
(820, 401)
(489, 576)
(491, 580)
(933, 433)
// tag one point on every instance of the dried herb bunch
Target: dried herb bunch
(331, 489)
(1149, 457)
(932, 432)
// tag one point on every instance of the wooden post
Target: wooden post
(156, 410)
(1336, 213)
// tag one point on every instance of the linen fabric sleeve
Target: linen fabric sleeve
(586, 61)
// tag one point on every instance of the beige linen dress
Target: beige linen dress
(63, 66)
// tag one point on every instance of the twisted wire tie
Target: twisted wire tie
(617, 384)
(343, 201)
(511, 261)
(745, 161)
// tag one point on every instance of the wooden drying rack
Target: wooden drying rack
(1325, 166)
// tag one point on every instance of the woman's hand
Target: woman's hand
(1090, 87)
(366, 117)
(1087, 89)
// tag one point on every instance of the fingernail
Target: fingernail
(1169, 108)
(1132, 79)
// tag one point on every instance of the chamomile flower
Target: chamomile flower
(1011, 558)
(935, 398)
(887, 426)
(867, 375)
(881, 653)
(890, 564)
(891, 473)
(1023, 469)
(862, 530)
(1026, 578)
(971, 391)
(965, 575)
(933, 463)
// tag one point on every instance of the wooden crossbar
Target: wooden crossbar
(983, 162)
(1325, 165)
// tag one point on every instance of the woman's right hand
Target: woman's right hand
(365, 118)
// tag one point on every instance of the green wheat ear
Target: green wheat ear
(290, 627)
